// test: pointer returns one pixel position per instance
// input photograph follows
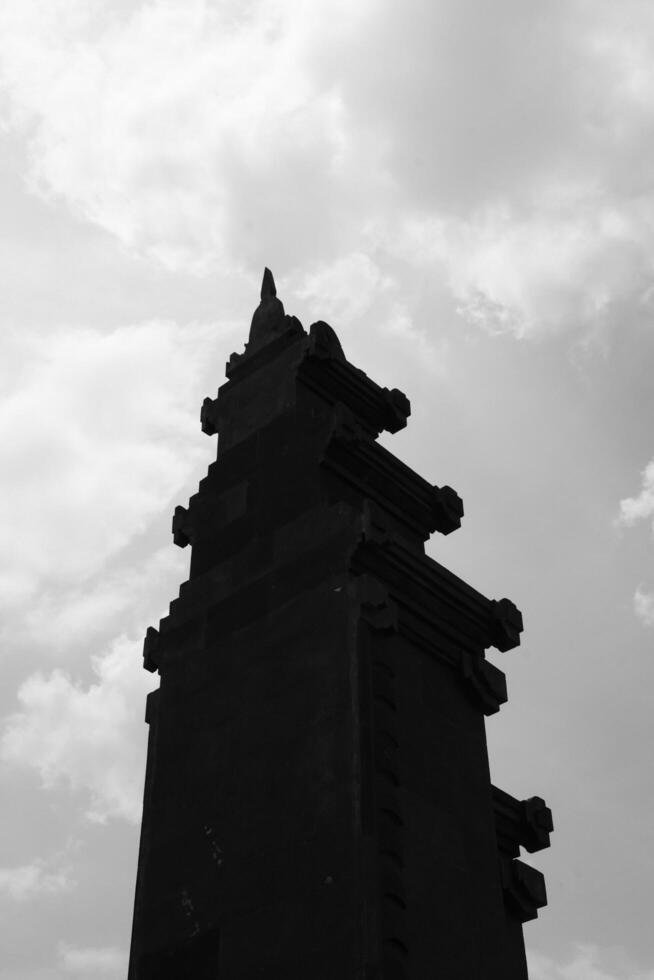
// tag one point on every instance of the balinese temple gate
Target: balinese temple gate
(318, 804)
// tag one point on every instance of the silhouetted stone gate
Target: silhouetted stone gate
(318, 803)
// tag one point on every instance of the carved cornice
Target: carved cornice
(290, 331)
(485, 684)
(403, 589)
(332, 377)
(434, 603)
(323, 369)
(378, 474)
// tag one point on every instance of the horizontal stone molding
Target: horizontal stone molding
(335, 380)
(433, 600)
(380, 476)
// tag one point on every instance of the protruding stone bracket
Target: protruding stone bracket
(521, 823)
(447, 510)
(182, 534)
(151, 650)
(506, 624)
(377, 608)
(538, 824)
(397, 409)
(209, 416)
(151, 705)
(524, 889)
(324, 343)
(485, 683)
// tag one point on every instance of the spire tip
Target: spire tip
(268, 289)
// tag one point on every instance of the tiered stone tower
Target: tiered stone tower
(318, 803)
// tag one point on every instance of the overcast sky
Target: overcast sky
(465, 191)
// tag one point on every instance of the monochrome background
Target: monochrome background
(465, 191)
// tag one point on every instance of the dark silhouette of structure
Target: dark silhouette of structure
(317, 802)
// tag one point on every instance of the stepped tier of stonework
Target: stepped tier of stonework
(318, 801)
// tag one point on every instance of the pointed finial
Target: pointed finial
(268, 289)
(269, 320)
(268, 316)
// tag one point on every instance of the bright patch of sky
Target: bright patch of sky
(463, 191)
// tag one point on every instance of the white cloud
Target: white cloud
(644, 606)
(15, 972)
(107, 961)
(632, 510)
(92, 739)
(39, 878)
(62, 621)
(557, 267)
(170, 126)
(641, 507)
(355, 290)
(197, 132)
(588, 962)
(346, 288)
(95, 437)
